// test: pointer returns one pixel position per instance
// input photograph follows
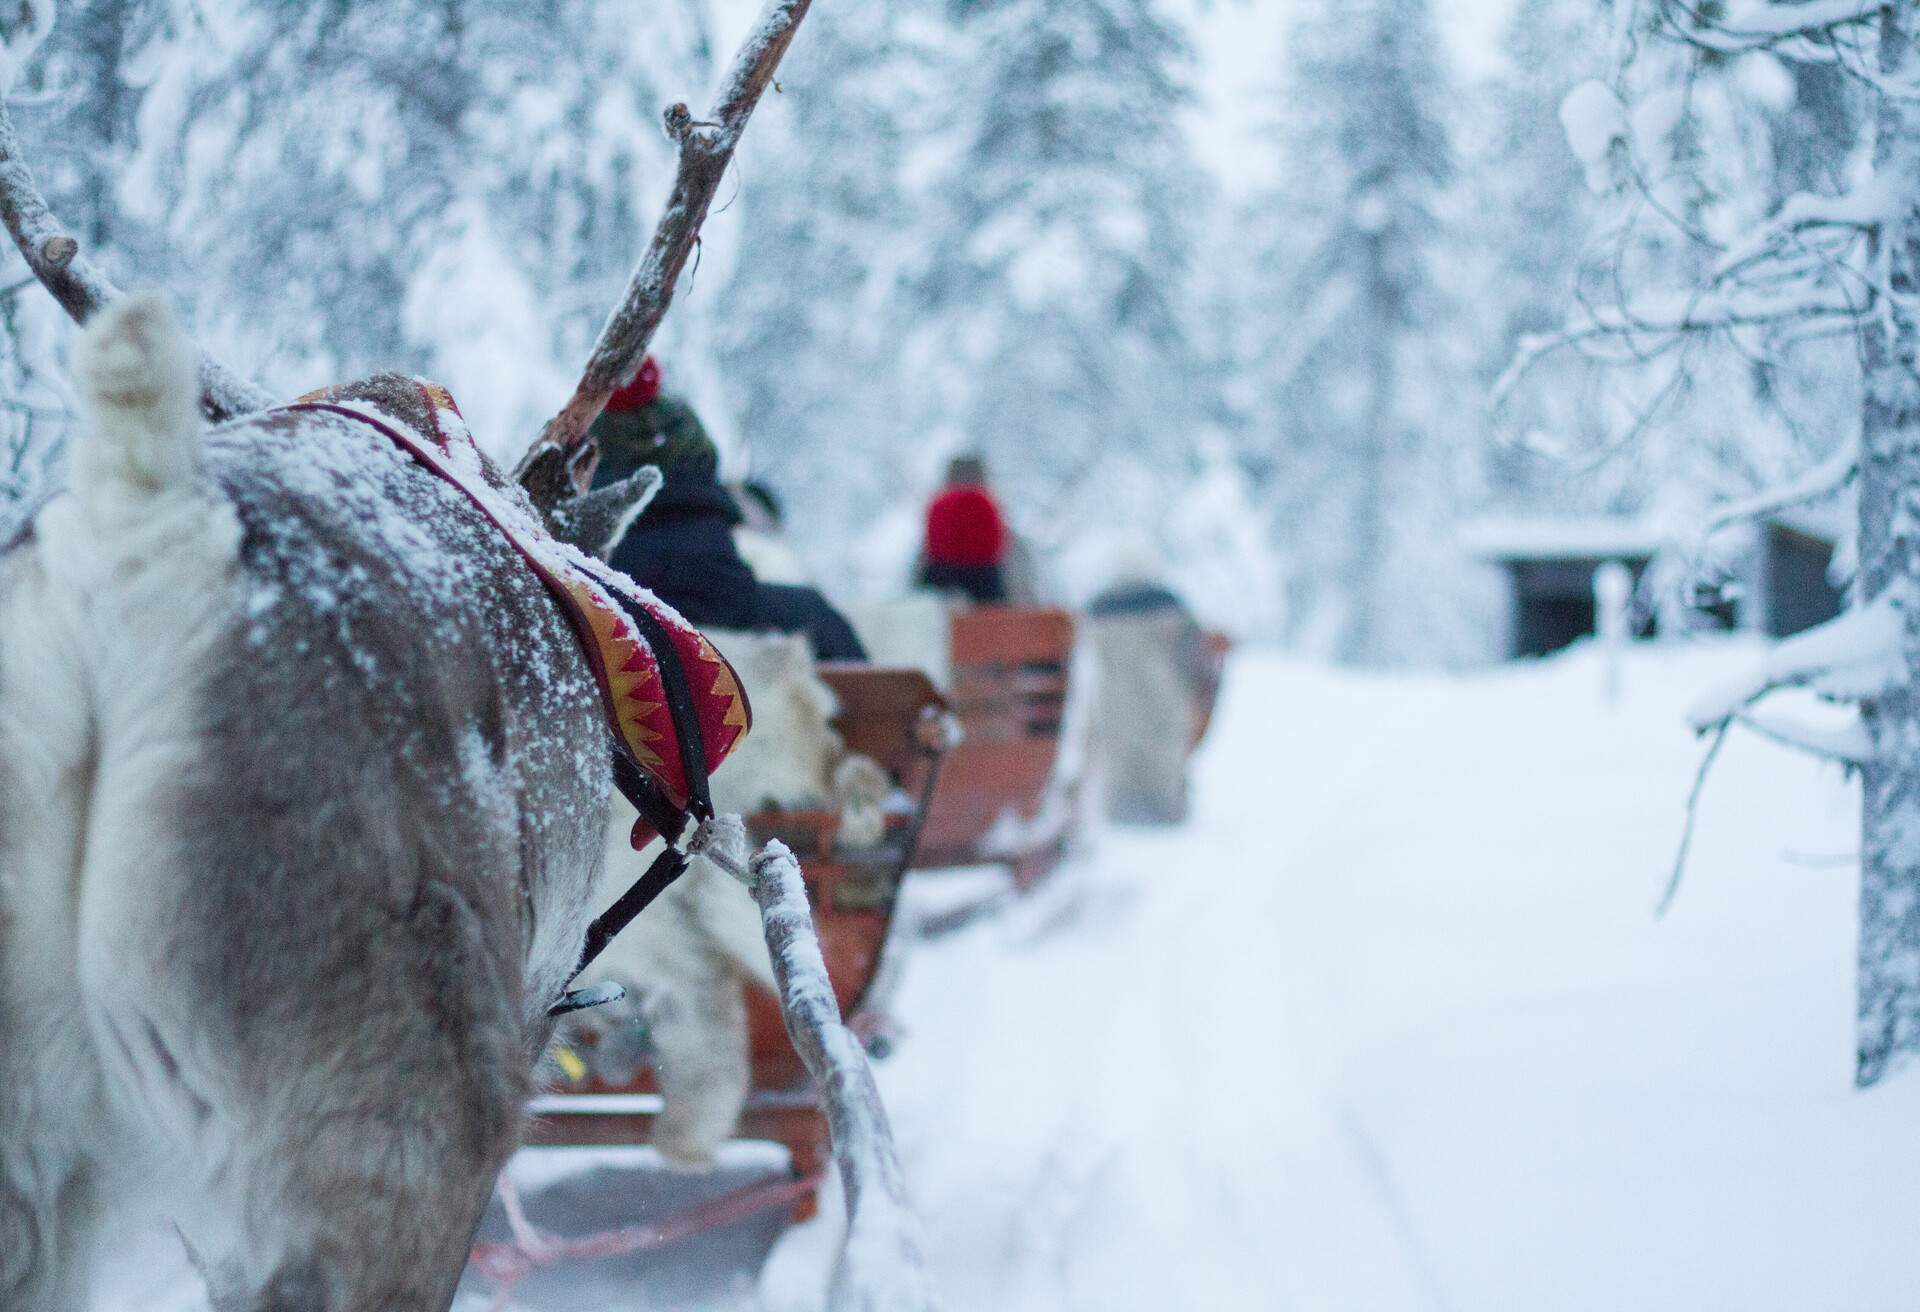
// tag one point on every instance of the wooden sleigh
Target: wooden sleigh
(1219, 647)
(896, 717)
(998, 799)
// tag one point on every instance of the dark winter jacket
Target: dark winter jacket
(682, 549)
(984, 585)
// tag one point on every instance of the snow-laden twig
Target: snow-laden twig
(706, 149)
(881, 1268)
(1767, 23)
(1716, 309)
(1865, 209)
(57, 261)
(1826, 479)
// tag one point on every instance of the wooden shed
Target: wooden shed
(1549, 563)
(1782, 567)
(1789, 585)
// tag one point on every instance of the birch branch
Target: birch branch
(562, 457)
(56, 260)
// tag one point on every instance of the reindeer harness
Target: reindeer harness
(673, 703)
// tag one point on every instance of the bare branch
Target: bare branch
(563, 454)
(1665, 318)
(55, 258)
(1693, 812)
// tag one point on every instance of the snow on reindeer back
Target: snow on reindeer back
(610, 614)
(387, 595)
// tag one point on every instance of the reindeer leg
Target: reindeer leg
(698, 1022)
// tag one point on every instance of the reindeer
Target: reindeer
(303, 788)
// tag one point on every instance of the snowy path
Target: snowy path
(1390, 1025)
(1136, 1114)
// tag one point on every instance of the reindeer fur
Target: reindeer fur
(303, 789)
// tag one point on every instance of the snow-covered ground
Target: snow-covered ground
(1390, 1024)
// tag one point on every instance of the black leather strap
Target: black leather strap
(651, 803)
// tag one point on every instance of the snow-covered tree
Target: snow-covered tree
(1052, 291)
(33, 407)
(454, 188)
(811, 321)
(1776, 274)
(72, 83)
(1356, 430)
(1532, 213)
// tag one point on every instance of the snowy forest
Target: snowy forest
(1520, 397)
(1113, 246)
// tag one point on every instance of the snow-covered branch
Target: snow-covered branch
(1824, 480)
(1849, 745)
(1864, 210)
(1716, 309)
(562, 455)
(1856, 657)
(1853, 658)
(1767, 24)
(55, 258)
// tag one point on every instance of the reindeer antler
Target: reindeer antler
(55, 258)
(563, 453)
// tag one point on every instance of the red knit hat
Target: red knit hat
(641, 391)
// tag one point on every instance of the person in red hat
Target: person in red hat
(967, 538)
